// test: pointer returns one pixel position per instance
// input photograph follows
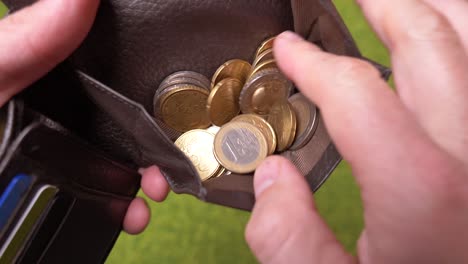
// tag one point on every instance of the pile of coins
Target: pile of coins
(246, 113)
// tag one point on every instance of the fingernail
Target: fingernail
(141, 170)
(290, 36)
(265, 175)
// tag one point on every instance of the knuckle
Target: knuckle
(426, 25)
(430, 25)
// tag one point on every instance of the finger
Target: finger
(391, 155)
(37, 38)
(153, 184)
(455, 12)
(430, 66)
(137, 217)
(285, 226)
(362, 114)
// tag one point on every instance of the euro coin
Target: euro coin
(238, 69)
(240, 147)
(264, 127)
(262, 66)
(197, 145)
(184, 108)
(307, 120)
(283, 120)
(264, 89)
(267, 44)
(223, 101)
(185, 77)
(220, 172)
(262, 57)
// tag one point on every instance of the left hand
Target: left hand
(34, 40)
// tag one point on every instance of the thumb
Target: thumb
(37, 38)
(285, 226)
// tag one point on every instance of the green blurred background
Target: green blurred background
(185, 230)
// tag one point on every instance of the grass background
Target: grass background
(185, 230)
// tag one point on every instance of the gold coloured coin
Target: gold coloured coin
(184, 108)
(264, 126)
(264, 89)
(262, 66)
(238, 69)
(307, 120)
(223, 101)
(267, 44)
(220, 172)
(240, 147)
(262, 57)
(197, 145)
(283, 120)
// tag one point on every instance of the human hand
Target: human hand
(36, 39)
(407, 148)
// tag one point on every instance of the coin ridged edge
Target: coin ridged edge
(302, 140)
(214, 79)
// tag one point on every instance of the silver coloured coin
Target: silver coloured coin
(307, 120)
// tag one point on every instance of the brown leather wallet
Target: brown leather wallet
(103, 92)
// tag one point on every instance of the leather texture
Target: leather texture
(103, 92)
(93, 197)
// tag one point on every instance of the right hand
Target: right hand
(408, 150)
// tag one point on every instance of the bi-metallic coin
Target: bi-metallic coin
(240, 147)
(185, 77)
(264, 127)
(307, 120)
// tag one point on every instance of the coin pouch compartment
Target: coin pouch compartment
(104, 91)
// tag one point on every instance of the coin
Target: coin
(183, 108)
(263, 90)
(177, 80)
(264, 127)
(223, 101)
(238, 69)
(197, 145)
(262, 66)
(283, 120)
(159, 95)
(220, 172)
(267, 44)
(307, 120)
(185, 77)
(240, 147)
(262, 57)
(213, 129)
